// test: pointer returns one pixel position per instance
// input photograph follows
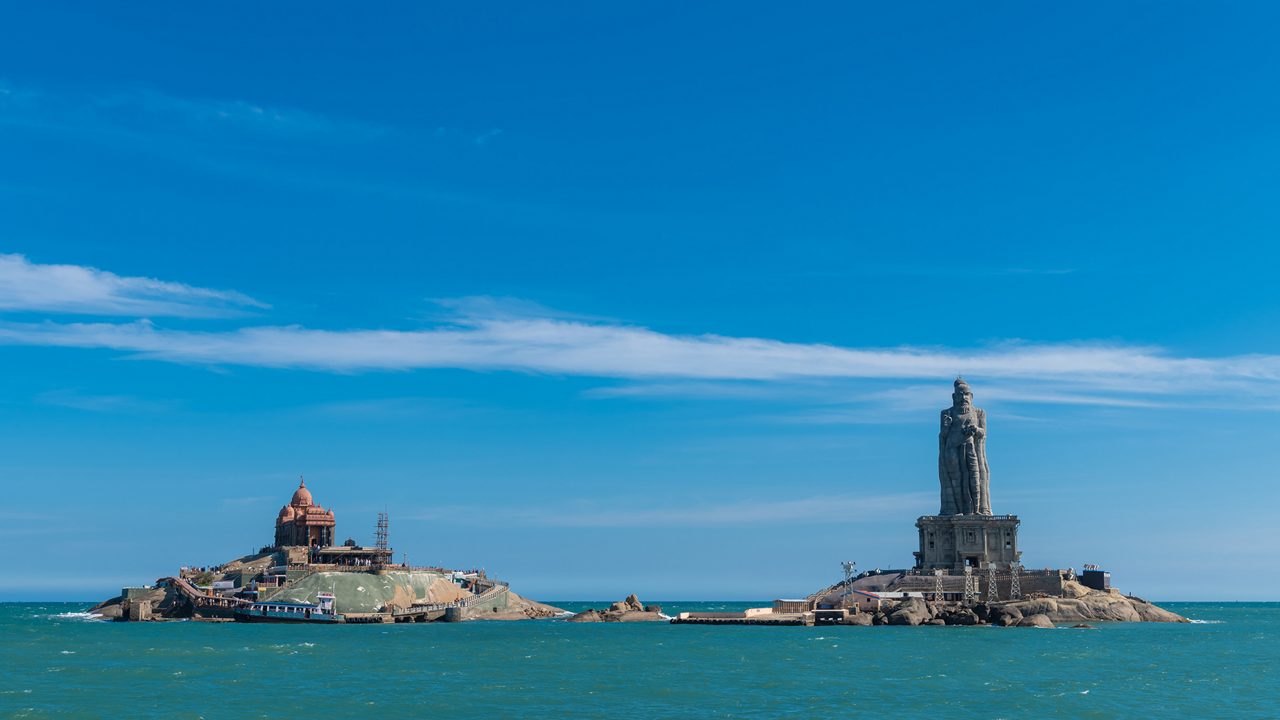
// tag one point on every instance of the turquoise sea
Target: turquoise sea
(57, 663)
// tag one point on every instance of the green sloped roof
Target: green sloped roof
(362, 592)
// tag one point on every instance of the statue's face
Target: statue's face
(962, 398)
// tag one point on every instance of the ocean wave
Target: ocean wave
(72, 616)
(1205, 622)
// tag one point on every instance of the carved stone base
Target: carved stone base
(950, 542)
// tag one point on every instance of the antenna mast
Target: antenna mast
(382, 531)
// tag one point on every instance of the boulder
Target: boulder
(633, 603)
(1086, 605)
(635, 616)
(960, 616)
(935, 621)
(983, 612)
(587, 616)
(863, 619)
(1039, 620)
(1003, 615)
(653, 609)
(911, 611)
(619, 607)
(879, 618)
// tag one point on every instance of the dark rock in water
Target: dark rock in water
(1003, 615)
(879, 619)
(653, 609)
(1084, 626)
(1039, 620)
(587, 616)
(935, 621)
(983, 612)
(863, 619)
(962, 616)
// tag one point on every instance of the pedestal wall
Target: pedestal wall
(950, 542)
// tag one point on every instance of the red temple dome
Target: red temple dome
(301, 496)
(302, 523)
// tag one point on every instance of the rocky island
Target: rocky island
(629, 610)
(968, 570)
(304, 577)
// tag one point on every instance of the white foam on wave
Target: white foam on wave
(73, 616)
(1205, 622)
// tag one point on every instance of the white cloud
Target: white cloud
(28, 286)
(489, 334)
(598, 349)
(1094, 374)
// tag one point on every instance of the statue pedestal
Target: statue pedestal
(950, 542)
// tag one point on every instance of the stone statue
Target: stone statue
(962, 456)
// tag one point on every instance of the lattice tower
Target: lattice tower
(970, 586)
(1015, 585)
(993, 592)
(382, 531)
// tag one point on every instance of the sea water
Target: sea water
(57, 662)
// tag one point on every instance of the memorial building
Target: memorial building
(303, 523)
(965, 533)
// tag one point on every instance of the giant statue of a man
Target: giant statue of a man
(962, 456)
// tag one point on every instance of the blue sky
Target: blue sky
(651, 298)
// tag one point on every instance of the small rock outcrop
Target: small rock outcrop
(1039, 620)
(629, 610)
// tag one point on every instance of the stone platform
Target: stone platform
(952, 542)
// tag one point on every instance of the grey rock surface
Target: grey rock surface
(911, 611)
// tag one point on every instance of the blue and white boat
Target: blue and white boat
(279, 611)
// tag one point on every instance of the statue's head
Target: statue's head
(962, 396)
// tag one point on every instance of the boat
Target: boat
(322, 611)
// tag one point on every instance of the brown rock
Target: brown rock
(636, 616)
(1039, 620)
(587, 616)
(911, 611)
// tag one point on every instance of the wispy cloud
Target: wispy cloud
(151, 111)
(490, 334)
(31, 287)
(833, 508)
(1072, 373)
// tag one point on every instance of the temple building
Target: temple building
(303, 523)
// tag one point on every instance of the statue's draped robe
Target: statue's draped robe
(962, 463)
